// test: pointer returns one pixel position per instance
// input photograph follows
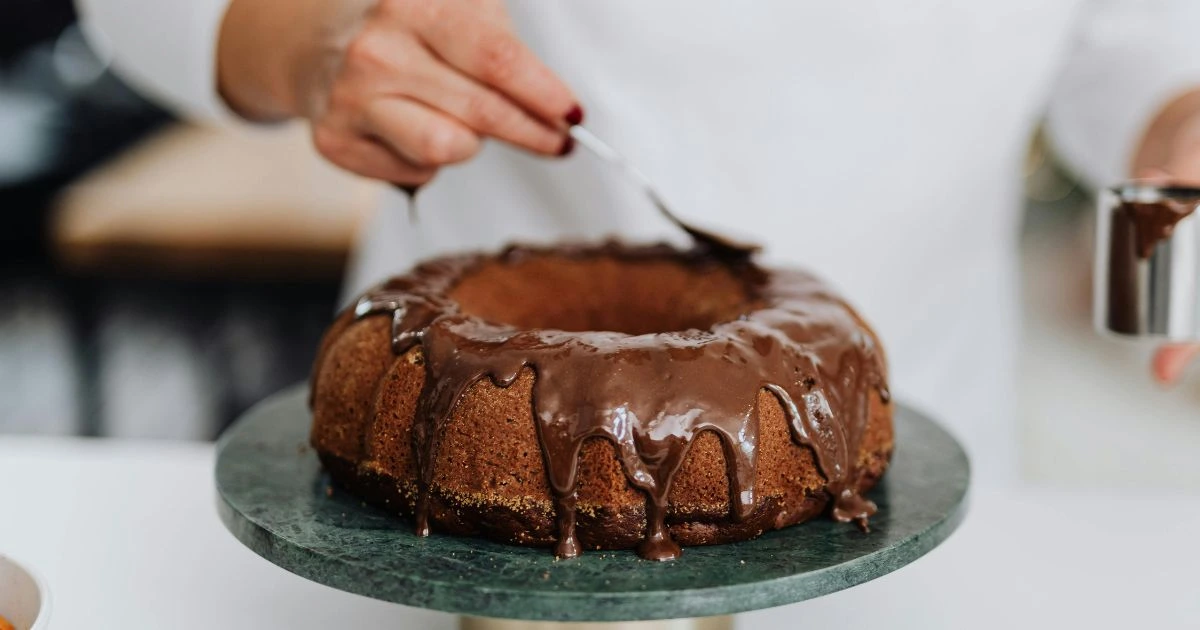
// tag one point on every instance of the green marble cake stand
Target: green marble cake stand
(273, 497)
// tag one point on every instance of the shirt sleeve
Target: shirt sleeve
(166, 49)
(1128, 60)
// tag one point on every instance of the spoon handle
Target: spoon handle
(597, 146)
(715, 242)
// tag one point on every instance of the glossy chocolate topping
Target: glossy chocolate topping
(650, 394)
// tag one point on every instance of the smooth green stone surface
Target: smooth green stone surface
(273, 498)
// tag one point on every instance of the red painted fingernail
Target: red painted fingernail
(575, 116)
(568, 145)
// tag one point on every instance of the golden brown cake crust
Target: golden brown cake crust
(489, 475)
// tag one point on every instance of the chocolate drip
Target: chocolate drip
(1152, 222)
(410, 191)
(651, 395)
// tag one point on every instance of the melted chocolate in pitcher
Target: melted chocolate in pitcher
(1154, 222)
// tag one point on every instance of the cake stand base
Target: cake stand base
(701, 623)
(275, 498)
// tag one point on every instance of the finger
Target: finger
(494, 56)
(493, 10)
(382, 62)
(369, 158)
(1170, 361)
(1182, 171)
(1167, 176)
(483, 109)
(1152, 175)
(419, 134)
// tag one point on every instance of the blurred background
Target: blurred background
(157, 278)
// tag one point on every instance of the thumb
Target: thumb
(1171, 360)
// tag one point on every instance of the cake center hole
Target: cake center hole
(602, 293)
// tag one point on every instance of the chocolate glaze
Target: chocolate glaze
(650, 394)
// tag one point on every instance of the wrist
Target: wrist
(276, 58)
(251, 62)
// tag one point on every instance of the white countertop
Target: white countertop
(127, 536)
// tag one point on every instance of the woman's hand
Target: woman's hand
(1170, 151)
(394, 89)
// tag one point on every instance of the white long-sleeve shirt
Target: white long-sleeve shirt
(877, 142)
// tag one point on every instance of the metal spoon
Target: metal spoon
(716, 243)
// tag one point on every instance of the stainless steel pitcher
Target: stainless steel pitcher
(1147, 275)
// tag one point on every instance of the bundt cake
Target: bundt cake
(604, 396)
